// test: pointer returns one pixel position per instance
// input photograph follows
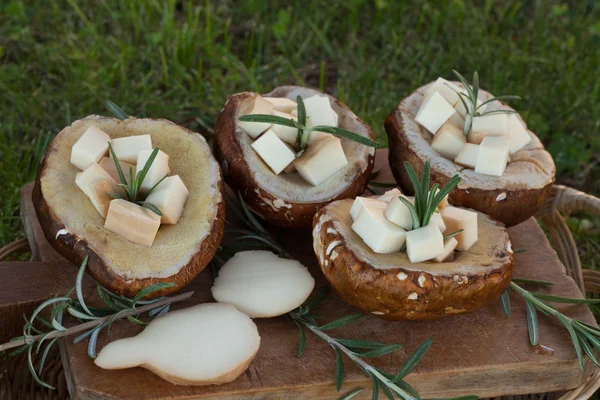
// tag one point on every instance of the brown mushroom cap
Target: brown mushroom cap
(391, 287)
(75, 229)
(510, 198)
(286, 199)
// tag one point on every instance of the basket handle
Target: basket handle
(563, 198)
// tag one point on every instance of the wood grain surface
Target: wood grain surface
(484, 353)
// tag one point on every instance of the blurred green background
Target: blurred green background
(179, 60)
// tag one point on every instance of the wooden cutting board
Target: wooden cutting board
(484, 353)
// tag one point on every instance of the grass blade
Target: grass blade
(116, 110)
(346, 134)
(505, 303)
(272, 119)
(338, 323)
(413, 360)
(532, 323)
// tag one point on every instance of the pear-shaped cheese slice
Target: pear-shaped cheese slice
(261, 284)
(205, 344)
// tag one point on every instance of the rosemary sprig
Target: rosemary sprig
(96, 319)
(585, 337)
(470, 98)
(425, 200)
(304, 130)
(133, 186)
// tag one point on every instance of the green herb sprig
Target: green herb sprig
(133, 186)
(304, 130)
(93, 319)
(425, 200)
(585, 337)
(470, 99)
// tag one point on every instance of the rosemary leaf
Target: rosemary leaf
(532, 323)
(79, 285)
(45, 355)
(413, 360)
(116, 110)
(267, 118)
(78, 314)
(343, 133)
(375, 382)
(450, 235)
(413, 212)
(301, 341)
(317, 299)
(588, 351)
(117, 165)
(567, 323)
(41, 341)
(151, 289)
(360, 344)
(141, 175)
(151, 207)
(338, 323)
(156, 184)
(561, 299)
(383, 184)
(339, 368)
(92, 343)
(302, 134)
(33, 373)
(517, 251)
(499, 98)
(390, 348)
(532, 282)
(495, 112)
(351, 394)
(505, 303)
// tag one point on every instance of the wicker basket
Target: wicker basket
(16, 382)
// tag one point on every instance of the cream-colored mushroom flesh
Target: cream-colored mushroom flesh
(530, 168)
(490, 252)
(292, 187)
(174, 244)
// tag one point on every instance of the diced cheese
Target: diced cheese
(294, 113)
(467, 157)
(434, 111)
(127, 148)
(399, 213)
(170, 197)
(133, 222)
(318, 112)
(257, 105)
(437, 220)
(461, 110)
(448, 141)
(361, 202)
(457, 121)
(447, 89)
(457, 219)
(377, 232)
(389, 195)
(487, 125)
(424, 243)
(449, 247)
(89, 148)
(109, 166)
(95, 182)
(157, 171)
(273, 151)
(493, 156)
(517, 133)
(285, 133)
(282, 104)
(321, 160)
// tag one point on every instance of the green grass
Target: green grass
(60, 59)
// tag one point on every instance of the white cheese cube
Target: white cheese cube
(424, 243)
(361, 202)
(377, 232)
(256, 105)
(108, 164)
(285, 133)
(447, 89)
(517, 133)
(457, 219)
(493, 156)
(157, 171)
(93, 173)
(273, 151)
(98, 195)
(462, 111)
(399, 213)
(449, 247)
(95, 182)
(457, 121)
(319, 111)
(488, 125)
(437, 220)
(133, 222)
(89, 148)
(321, 160)
(336, 118)
(170, 197)
(448, 141)
(434, 111)
(467, 157)
(294, 113)
(127, 148)
(282, 104)
(389, 195)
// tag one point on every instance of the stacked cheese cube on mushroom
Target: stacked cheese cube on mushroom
(277, 144)
(385, 225)
(490, 141)
(99, 178)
